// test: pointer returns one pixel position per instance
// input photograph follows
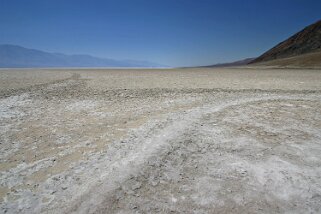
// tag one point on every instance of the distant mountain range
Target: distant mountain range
(302, 49)
(230, 64)
(13, 56)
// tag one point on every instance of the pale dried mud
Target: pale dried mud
(240, 140)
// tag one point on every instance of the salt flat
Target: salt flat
(158, 141)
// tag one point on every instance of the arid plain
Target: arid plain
(230, 140)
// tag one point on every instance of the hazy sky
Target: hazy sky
(171, 32)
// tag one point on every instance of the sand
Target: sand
(159, 141)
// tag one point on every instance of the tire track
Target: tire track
(144, 147)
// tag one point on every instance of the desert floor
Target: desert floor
(241, 140)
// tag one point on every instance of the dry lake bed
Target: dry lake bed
(241, 140)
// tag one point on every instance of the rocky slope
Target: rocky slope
(308, 60)
(306, 41)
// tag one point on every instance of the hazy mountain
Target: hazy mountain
(12, 56)
(302, 43)
(230, 64)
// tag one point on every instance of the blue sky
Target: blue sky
(171, 32)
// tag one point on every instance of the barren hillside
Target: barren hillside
(306, 41)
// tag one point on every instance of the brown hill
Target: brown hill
(306, 41)
(308, 60)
